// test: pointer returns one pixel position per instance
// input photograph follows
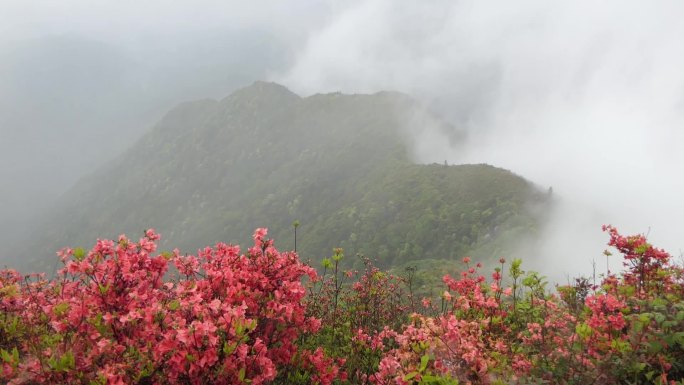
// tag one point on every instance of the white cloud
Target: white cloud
(586, 97)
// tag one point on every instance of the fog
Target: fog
(80, 81)
(582, 96)
(585, 97)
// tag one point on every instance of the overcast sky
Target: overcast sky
(584, 96)
(587, 97)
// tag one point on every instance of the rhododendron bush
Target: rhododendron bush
(110, 316)
(123, 314)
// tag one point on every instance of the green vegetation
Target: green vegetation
(265, 157)
(122, 314)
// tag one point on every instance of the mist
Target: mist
(584, 97)
(81, 81)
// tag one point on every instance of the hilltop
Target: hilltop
(213, 170)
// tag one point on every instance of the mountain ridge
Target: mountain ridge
(212, 171)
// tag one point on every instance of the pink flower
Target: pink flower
(259, 234)
(152, 235)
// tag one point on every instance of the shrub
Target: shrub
(118, 314)
(110, 316)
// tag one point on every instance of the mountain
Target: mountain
(66, 98)
(213, 171)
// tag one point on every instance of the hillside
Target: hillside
(212, 171)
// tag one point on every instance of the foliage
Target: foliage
(358, 310)
(211, 171)
(116, 315)
(111, 317)
(629, 330)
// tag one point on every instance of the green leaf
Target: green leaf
(679, 338)
(410, 376)
(228, 349)
(60, 308)
(78, 253)
(326, 263)
(9, 291)
(173, 305)
(655, 347)
(680, 316)
(67, 361)
(12, 327)
(103, 289)
(424, 362)
(5, 355)
(52, 363)
(620, 346)
(583, 330)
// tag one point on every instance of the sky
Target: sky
(586, 97)
(80, 81)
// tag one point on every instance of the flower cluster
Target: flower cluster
(111, 317)
(122, 313)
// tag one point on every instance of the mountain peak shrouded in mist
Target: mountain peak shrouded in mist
(578, 97)
(212, 171)
(267, 89)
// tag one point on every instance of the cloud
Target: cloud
(127, 20)
(81, 80)
(586, 97)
